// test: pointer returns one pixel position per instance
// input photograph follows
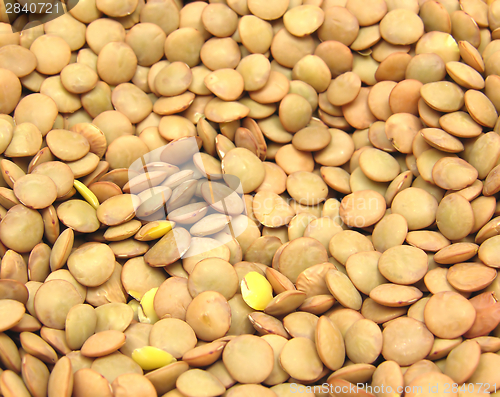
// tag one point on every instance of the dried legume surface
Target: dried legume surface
(248, 198)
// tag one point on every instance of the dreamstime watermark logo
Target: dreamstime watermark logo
(179, 183)
(175, 183)
(26, 14)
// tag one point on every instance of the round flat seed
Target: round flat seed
(405, 96)
(92, 264)
(242, 163)
(403, 264)
(248, 359)
(15, 290)
(394, 295)
(227, 84)
(21, 229)
(122, 232)
(391, 231)
(220, 111)
(80, 325)
(363, 342)
(380, 314)
(224, 199)
(301, 324)
(406, 341)
(164, 378)
(201, 248)
(340, 25)
(88, 382)
(61, 379)
(302, 181)
(400, 130)
(129, 385)
(293, 260)
(347, 243)
(311, 139)
(199, 383)
(437, 380)
(205, 355)
(441, 140)
(25, 141)
(329, 343)
(118, 209)
(294, 112)
(378, 138)
(487, 251)
(344, 89)
(343, 290)
(363, 208)
(271, 210)
(103, 343)
(114, 365)
(470, 276)
(275, 180)
(63, 274)
(448, 315)
(35, 191)
(266, 324)
(278, 375)
(427, 240)
(455, 253)
(453, 173)
(460, 124)
(285, 303)
(209, 315)
(12, 311)
(443, 96)
(150, 358)
(484, 371)
(303, 20)
(417, 206)
(256, 291)
(60, 174)
(388, 373)
(188, 214)
(53, 301)
(213, 275)
(454, 217)
(172, 298)
(13, 385)
(480, 108)
(94, 136)
(263, 10)
(440, 43)
(300, 359)
(67, 145)
(379, 166)
(144, 181)
(401, 27)
(337, 178)
(172, 335)
(357, 113)
(465, 75)
(362, 269)
(323, 229)
(463, 360)
(210, 224)
(79, 215)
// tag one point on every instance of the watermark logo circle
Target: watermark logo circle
(171, 178)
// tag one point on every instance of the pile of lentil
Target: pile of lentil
(248, 198)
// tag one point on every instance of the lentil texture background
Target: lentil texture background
(248, 198)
